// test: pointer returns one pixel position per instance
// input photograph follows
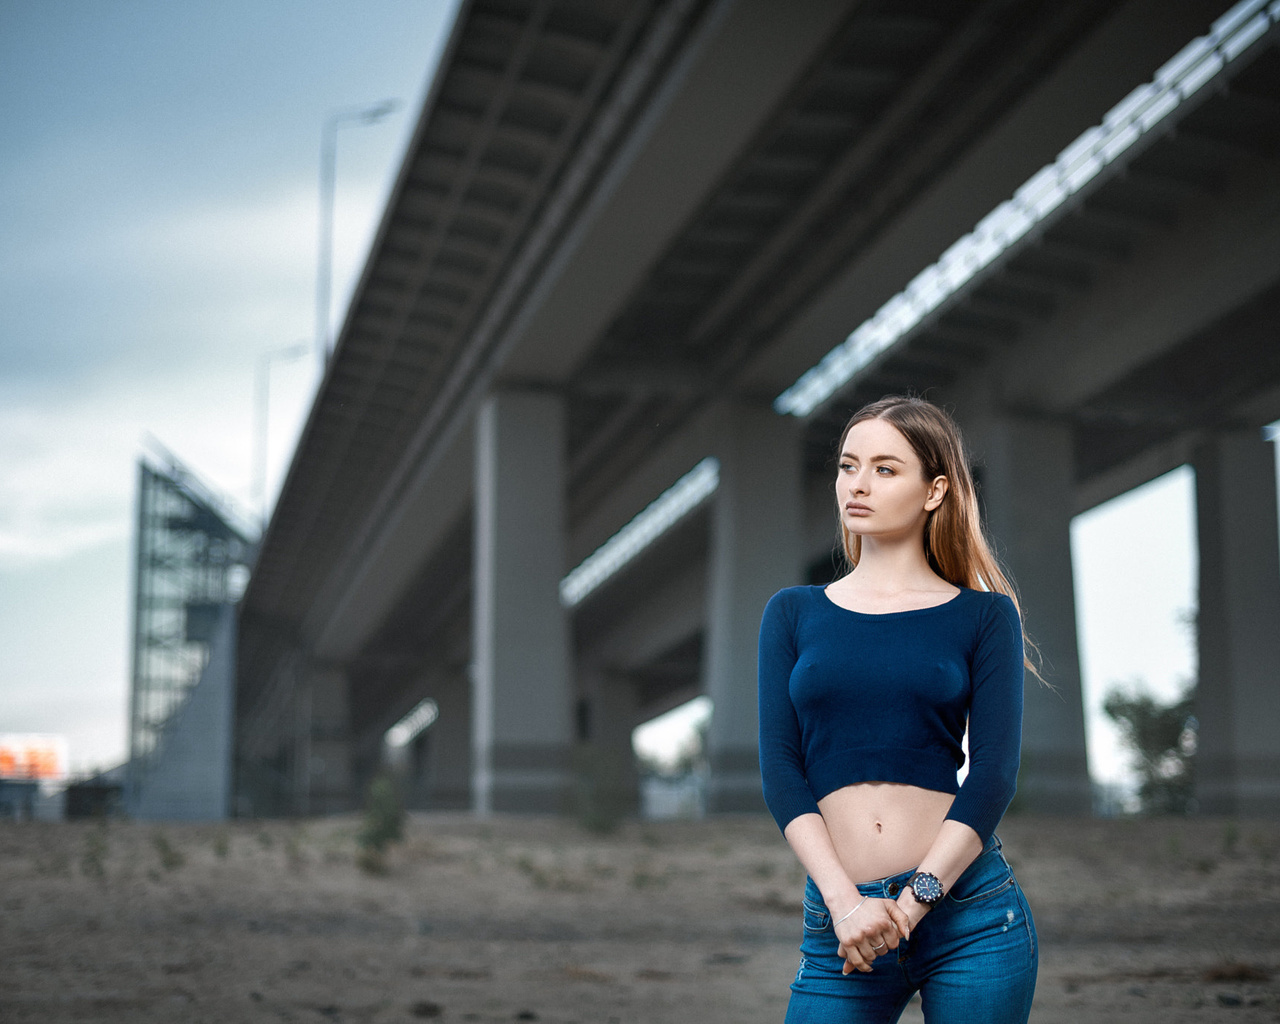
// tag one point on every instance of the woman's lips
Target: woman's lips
(855, 508)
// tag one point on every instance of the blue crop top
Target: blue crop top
(848, 697)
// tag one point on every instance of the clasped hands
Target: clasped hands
(872, 929)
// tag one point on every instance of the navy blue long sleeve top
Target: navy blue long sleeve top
(848, 697)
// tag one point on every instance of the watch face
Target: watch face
(926, 887)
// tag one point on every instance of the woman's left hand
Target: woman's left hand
(912, 909)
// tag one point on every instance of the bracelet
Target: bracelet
(850, 914)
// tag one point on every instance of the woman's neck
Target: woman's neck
(890, 568)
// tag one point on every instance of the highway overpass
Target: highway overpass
(634, 239)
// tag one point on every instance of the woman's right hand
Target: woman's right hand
(876, 927)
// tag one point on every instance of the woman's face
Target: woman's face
(880, 486)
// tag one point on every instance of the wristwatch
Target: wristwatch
(925, 888)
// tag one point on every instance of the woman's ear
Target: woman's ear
(937, 491)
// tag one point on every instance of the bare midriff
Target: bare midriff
(882, 828)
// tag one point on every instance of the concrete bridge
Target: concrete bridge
(632, 236)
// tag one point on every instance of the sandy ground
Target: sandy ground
(515, 919)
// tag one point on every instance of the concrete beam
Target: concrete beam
(663, 618)
(1155, 461)
(1123, 53)
(1224, 252)
(677, 454)
(441, 492)
(718, 96)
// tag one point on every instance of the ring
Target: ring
(881, 946)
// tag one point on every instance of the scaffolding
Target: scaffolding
(193, 560)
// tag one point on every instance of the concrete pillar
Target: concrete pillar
(605, 766)
(325, 760)
(1026, 473)
(521, 692)
(1238, 697)
(755, 551)
(448, 745)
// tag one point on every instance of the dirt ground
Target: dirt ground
(519, 919)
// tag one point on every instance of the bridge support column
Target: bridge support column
(448, 744)
(1238, 698)
(608, 785)
(1027, 487)
(325, 761)
(755, 551)
(521, 693)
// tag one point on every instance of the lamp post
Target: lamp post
(328, 175)
(261, 403)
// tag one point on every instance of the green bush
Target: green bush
(171, 858)
(383, 824)
(93, 859)
(1162, 738)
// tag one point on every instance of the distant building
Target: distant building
(99, 796)
(18, 798)
(192, 565)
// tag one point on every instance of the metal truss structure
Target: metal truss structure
(192, 560)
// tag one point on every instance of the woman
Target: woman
(866, 688)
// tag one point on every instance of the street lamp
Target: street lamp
(261, 401)
(328, 174)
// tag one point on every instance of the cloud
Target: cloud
(193, 283)
(68, 456)
(64, 651)
(158, 192)
(60, 490)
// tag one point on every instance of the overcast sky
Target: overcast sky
(158, 205)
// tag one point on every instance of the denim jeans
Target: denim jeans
(973, 957)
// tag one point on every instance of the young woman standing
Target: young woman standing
(867, 687)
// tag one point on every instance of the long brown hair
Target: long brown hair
(954, 544)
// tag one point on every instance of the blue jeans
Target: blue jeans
(973, 957)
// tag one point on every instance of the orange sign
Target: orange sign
(33, 756)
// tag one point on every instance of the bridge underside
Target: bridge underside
(621, 230)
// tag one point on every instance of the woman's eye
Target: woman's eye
(885, 470)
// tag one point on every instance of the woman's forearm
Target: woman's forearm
(954, 848)
(863, 933)
(811, 842)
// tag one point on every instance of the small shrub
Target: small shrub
(601, 789)
(1265, 850)
(539, 877)
(171, 857)
(293, 852)
(94, 856)
(383, 825)
(642, 878)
